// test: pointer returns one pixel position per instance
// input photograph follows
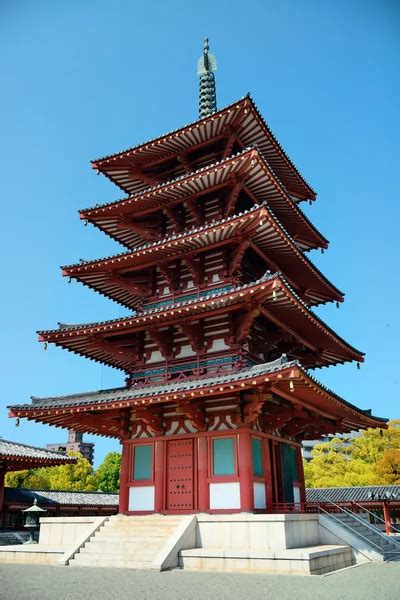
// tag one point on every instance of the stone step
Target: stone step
(141, 526)
(125, 535)
(149, 521)
(140, 554)
(128, 544)
(83, 561)
(119, 548)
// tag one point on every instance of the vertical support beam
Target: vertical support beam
(159, 476)
(386, 516)
(246, 472)
(124, 479)
(300, 474)
(267, 467)
(274, 465)
(2, 476)
(203, 502)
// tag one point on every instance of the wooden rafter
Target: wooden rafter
(253, 409)
(232, 197)
(176, 217)
(195, 335)
(196, 212)
(152, 417)
(194, 412)
(138, 173)
(148, 230)
(164, 341)
(171, 274)
(237, 254)
(185, 162)
(137, 289)
(244, 323)
(110, 348)
(196, 268)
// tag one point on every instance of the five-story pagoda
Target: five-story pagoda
(220, 329)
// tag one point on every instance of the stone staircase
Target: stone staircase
(390, 550)
(11, 538)
(127, 542)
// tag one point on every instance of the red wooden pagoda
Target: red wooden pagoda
(221, 330)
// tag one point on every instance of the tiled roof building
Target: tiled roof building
(220, 332)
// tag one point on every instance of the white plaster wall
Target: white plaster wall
(255, 532)
(260, 500)
(224, 495)
(141, 498)
(63, 531)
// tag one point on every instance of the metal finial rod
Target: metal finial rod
(207, 96)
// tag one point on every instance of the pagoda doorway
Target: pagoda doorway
(180, 475)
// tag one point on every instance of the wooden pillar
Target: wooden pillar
(159, 476)
(124, 479)
(2, 476)
(203, 502)
(386, 516)
(246, 472)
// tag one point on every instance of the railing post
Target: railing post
(386, 516)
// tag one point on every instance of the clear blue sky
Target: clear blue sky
(81, 79)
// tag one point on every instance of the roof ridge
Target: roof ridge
(158, 186)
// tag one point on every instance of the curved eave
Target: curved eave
(290, 381)
(264, 231)
(252, 129)
(249, 164)
(272, 293)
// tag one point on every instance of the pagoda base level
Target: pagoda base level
(215, 472)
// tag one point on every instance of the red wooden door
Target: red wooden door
(180, 475)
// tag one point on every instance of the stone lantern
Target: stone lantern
(32, 515)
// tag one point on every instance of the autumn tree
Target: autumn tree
(332, 465)
(373, 458)
(108, 473)
(387, 468)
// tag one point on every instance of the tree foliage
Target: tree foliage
(80, 477)
(371, 459)
(108, 473)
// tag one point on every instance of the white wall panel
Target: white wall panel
(224, 495)
(260, 500)
(141, 498)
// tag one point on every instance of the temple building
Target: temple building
(221, 336)
(17, 457)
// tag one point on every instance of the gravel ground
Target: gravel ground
(373, 581)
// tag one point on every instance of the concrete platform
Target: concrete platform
(32, 553)
(314, 560)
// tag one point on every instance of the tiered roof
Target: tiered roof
(277, 301)
(241, 119)
(284, 378)
(230, 156)
(259, 226)
(249, 168)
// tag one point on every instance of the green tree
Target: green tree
(79, 477)
(108, 472)
(371, 459)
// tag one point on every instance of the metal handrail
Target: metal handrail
(369, 542)
(375, 516)
(363, 522)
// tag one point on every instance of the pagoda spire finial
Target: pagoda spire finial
(206, 66)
